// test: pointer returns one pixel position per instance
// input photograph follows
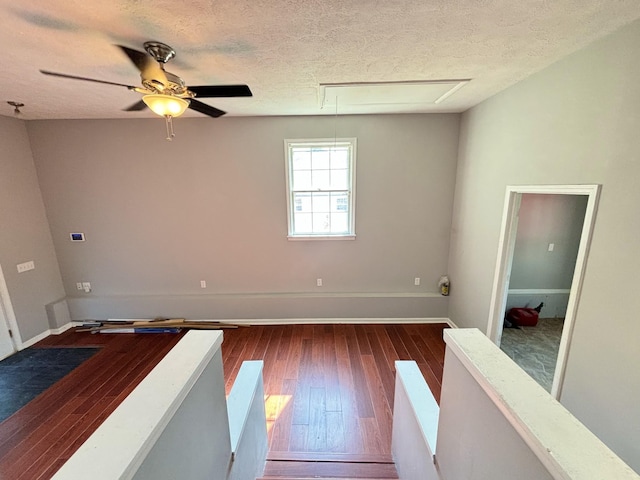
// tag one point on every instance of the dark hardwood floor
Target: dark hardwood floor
(328, 389)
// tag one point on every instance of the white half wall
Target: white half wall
(415, 424)
(173, 425)
(248, 422)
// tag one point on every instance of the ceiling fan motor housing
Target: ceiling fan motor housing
(174, 85)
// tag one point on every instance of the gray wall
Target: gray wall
(24, 233)
(161, 216)
(545, 219)
(575, 122)
(538, 275)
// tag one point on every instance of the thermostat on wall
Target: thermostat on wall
(77, 237)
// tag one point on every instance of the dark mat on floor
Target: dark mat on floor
(26, 374)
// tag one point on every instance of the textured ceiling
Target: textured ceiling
(284, 49)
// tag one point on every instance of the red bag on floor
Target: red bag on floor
(523, 317)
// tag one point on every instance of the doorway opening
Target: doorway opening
(584, 199)
(8, 324)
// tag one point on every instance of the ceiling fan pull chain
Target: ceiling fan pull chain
(169, 122)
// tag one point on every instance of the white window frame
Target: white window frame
(289, 144)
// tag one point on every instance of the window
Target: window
(321, 188)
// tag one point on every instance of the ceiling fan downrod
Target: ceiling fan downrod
(169, 122)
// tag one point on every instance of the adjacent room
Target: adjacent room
(314, 171)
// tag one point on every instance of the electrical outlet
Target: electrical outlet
(203, 284)
(319, 282)
(79, 285)
(416, 281)
(86, 286)
(26, 266)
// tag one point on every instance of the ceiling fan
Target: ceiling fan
(165, 93)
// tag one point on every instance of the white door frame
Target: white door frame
(7, 312)
(506, 247)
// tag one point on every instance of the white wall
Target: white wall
(24, 233)
(159, 216)
(575, 122)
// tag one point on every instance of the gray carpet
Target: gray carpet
(535, 349)
(26, 374)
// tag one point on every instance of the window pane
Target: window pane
(340, 158)
(321, 179)
(320, 187)
(321, 202)
(320, 159)
(339, 202)
(302, 202)
(339, 179)
(339, 222)
(302, 159)
(321, 223)
(302, 180)
(302, 223)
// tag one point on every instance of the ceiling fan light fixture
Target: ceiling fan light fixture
(166, 105)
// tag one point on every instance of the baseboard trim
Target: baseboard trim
(34, 340)
(64, 328)
(287, 321)
(46, 333)
(269, 295)
(539, 291)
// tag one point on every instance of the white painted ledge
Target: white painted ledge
(415, 425)
(241, 398)
(566, 448)
(424, 406)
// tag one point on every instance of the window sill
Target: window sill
(297, 238)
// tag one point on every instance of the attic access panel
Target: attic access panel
(342, 95)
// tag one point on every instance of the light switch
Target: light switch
(551, 247)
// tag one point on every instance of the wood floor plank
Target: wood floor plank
(381, 407)
(386, 375)
(280, 433)
(348, 404)
(363, 400)
(277, 468)
(317, 432)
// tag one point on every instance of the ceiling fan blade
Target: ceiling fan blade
(74, 77)
(206, 109)
(149, 68)
(208, 91)
(136, 107)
